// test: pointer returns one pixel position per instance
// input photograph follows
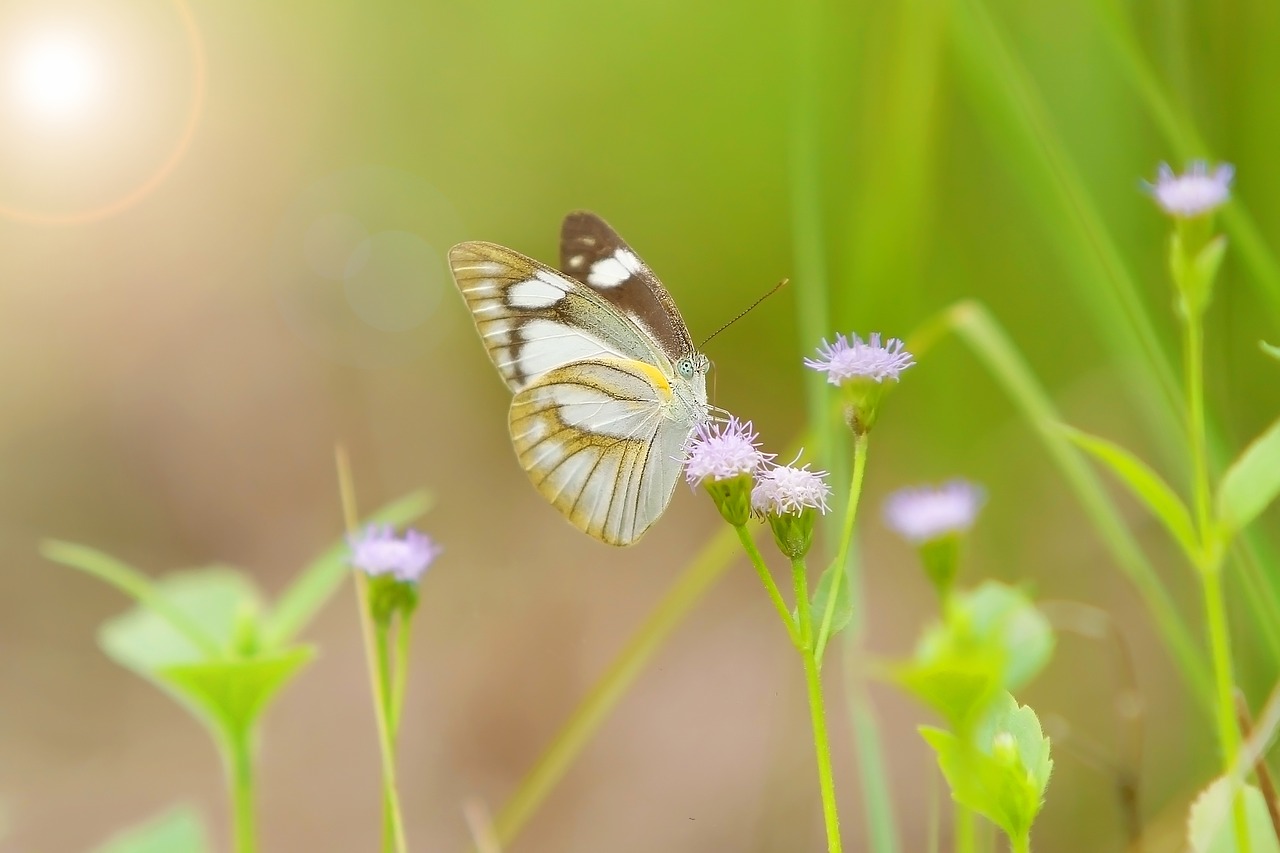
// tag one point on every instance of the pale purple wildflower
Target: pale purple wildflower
(845, 360)
(378, 551)
(926, 513)
(787, 490)
(723, 451)
(1195, 193)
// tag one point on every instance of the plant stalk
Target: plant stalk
(846, 539)
(240, 773)
(817, 708)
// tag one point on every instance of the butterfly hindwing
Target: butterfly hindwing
(533, 319)
(594, 254)
(596, 440)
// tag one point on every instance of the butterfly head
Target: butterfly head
(693, 364)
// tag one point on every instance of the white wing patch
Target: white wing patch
(548, 344)
(614, 270)
(537, 292)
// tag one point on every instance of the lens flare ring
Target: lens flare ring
(62, 78)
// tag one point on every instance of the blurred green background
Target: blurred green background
(190, 320)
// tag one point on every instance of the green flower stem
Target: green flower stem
(375, 663)
(386, 706)
(846, 538)
(966, 830)
(1020, 845)
(1194, 353)
(401, 681)
(1228, 732)
(766, 577)
(240, 778)
(817, 710)
(1209, 563)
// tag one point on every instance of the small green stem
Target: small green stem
(1193, 351)
(375, 661)
(766, 577)
(401, 681)
(817, 709)
(386, 709)
(240, 771)
(966, 830)
(846, 539)
(1209, 563)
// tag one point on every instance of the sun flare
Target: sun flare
(56, 76)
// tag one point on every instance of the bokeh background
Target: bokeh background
(222, 231)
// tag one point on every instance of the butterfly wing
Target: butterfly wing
(594, 254)
(601, 440)
(533, 319)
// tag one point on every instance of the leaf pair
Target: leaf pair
(992, 639)
(1249, 486)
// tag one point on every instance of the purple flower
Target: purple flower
(723, 451)
(847, 360)
(923, 514)
(1195, 193)
(787, 490)
(378, 551)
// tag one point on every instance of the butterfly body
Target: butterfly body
(607, 383)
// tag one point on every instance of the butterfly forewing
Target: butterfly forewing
(594, 254)
(533, 319)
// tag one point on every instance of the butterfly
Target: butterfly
(608, 385)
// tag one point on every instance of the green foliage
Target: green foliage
(1194, 265)
(1002, 771)
(1145, 484)
(229, 688)
(1210, 828)
(1252, 482)
(179, 830)
(991, 640)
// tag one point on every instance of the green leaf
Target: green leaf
(992, 639)
(843, 605)
(231, 695)
(131, 582)
(1252, 482)
(212, 601)
(1211, 826)
(317, 583)
(1002, 772)
(179, 830)
(1146, 485)
(228, 688)
(1270, 349)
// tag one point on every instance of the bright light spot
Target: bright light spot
(57, 76)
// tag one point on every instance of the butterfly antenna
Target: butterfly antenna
(748, 310)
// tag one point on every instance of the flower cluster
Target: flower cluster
(1194, 193)
(934, 520)
(851, 360)
(380, 552)
(787, 490)
(862, 370)
(926, 513)
(723, 451)
(725, 458)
